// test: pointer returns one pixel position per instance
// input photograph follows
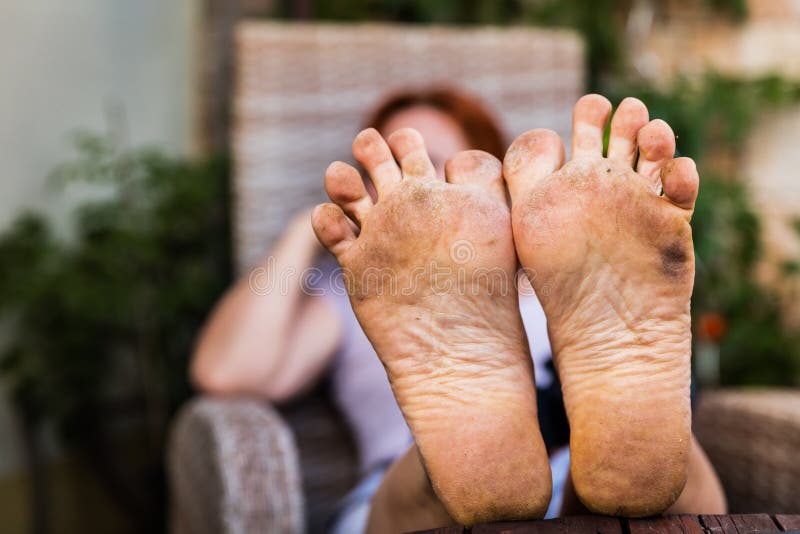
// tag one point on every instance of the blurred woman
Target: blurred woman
(278, 345)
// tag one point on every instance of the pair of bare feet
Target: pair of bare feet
(430, 269)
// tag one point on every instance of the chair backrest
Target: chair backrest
(302, 92)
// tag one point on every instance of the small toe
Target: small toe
(630, 117)
(589, 118)
(409, 149)
(372, 152)
(681, 182)
(656, 147)
(478, 168)
(332, 227)
(345, 187)
(532, 156)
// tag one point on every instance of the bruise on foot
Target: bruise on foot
(674, 259)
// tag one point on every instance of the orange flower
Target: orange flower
(712, 326)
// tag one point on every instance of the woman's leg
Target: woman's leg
(405, 500)
(703, 492)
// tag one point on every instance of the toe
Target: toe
(589, 118)
(479, 168)
(630, 117)
(345, 187)
(409, 149)
(656, 147)
(681, 182)
(334, 230)
(372, 152)
(532, 156)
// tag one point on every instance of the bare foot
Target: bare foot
(431, 280)
(612, 262)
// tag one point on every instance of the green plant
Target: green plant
(736, 8)
(102, 324)
(712, 112)
(757, 346)
(711, 117)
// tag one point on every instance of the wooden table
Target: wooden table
(674, 524)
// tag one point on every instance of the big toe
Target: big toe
(478, 168)
(532, 156)
(589, 118)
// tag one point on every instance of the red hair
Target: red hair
(479, 126)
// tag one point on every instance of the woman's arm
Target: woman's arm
(257, 339)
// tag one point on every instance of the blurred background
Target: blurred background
(136, 138)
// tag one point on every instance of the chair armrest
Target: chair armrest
(233, 468)
(752, 438)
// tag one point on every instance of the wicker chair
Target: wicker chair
(239, 465)
(753, 439)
